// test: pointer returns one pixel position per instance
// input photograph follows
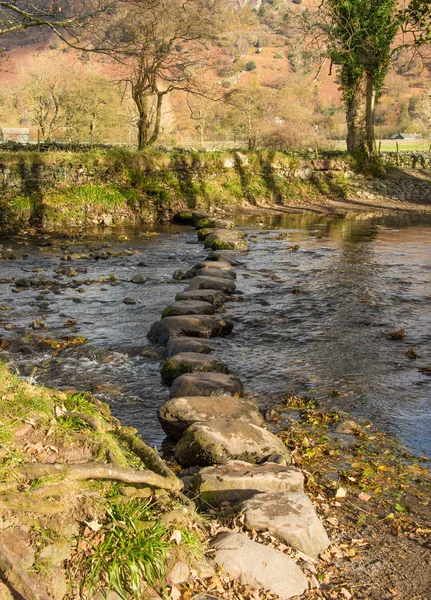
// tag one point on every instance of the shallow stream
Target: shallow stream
(320, 296)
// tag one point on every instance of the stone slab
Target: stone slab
(191, 362)
(210, 272)
(188, 307)
(215, 297)
(237, 481)
(179, 413)
(212, 283)
(207, 384)
(194, 326)
(291, 517)
(258, 566)
(186, 344)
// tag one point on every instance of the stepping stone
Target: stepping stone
(215, 223)
(204, 233)
(216, 273)
(208, 264)
(186, 344)
(225, 240)
(237, 481)
(214, 297)
(191, 362)
(258, 566)
(222, 440)
(179, 413)
(212, 283)
(289, 516)
(230, 256)
(184, 216)
(193, 326)
(206, 384)
(199, 214)
(188, 307)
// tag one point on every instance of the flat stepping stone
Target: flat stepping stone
(188, 307)
(186, 344)
(289, 516)
(199, 214)
(230, 256)
(212, 283)
(179, 413)
(194, 326)
(237, 481)
(258, 566)
(204, 232)
(214, 297)
(216, 273)
(191, 362)
(206, 384)
(222, 440)
(209, 264)
(224, 239)
(215, 223)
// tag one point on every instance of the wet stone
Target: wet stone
(138, 279)
(223, 440)
(179, 413)
(258, 566)
(212, 283)
(226, 240)
(216, 273)
(291, 517)
(214, 297)
(125, 301)
(237, 481)
(209, 264)
(186, 344)
(230, 256)
(206, 384)
(191, 362)
(188, 307)
(194, 326)
(215, 223)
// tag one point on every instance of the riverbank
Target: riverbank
(55, 190)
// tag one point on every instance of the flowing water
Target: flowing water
(320, 296)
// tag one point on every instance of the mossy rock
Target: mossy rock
(214, 223)
(191, 362)
(185, 217)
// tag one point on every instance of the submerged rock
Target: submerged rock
(226, 286)
(230, 256)
(193, 326)
(291, 517)
(206, 384)
(223, 440)
(188, 307)
(258, 566)
(237, 481)
(216, 273)
(179, 413)
(186, 344)
(191, 362)
(215, 297)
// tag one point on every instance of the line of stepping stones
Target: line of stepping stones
(222, 432)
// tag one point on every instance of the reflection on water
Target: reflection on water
(315, 319)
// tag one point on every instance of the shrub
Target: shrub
(250, 66)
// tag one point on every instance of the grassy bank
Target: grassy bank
(60, 189)
(79, 494)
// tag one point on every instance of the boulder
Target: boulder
(206, 384)
(191, 362)
(216, 273)
(199, 214)
(226, 286)
(237, 481)
(230, 256)
(289, 516)
(214, 297)
(258, 566)
(208, 264)
(214, 223)
(204, 233)
(188, 307)
(223, 440)
(179, 413)
(186, 344)
(223, 239)
(185, 217)
(193, 326)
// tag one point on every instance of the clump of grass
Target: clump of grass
(133, 552)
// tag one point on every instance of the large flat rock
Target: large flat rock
(179, 413)
(214, 297)
(210, 272)
(186, 344)
(258, 566)
(191, 362)
(226, 286)
(237, 481)
(206, 384)
(188, 307)
(222, 440)
(194, 326)
(291, 517)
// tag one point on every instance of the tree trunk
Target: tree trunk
(360, 118)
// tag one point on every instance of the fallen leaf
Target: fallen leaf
(341, 492)
(176, 537)
(94, 525)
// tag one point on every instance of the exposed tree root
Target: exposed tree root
(149, 457)
(92, 421)
(17, 578)
(24, 503)
(101, 471)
